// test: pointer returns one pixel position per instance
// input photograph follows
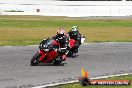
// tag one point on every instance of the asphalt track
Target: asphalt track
(99, 59)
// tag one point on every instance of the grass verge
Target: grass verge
(77, 85)
(30, 30)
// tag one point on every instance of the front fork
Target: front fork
(42, 55)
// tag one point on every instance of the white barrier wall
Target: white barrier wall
(72, 9)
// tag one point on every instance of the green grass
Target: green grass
(39, 21)
(29, 30)
(77, 85)
(62, 23)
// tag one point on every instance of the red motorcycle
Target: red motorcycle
(48, 53)
(73, 47)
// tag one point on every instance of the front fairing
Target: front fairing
(47, 50)
(48, 44)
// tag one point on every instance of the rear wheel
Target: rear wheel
(35, 60)
(57, 61)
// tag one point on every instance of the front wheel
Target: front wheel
(35, 60)
(70, 53)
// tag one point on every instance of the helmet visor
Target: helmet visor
(60, 36)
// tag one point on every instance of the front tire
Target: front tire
(35, 60)
(70, 53)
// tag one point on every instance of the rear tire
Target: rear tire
(57, 61)
(35, 60)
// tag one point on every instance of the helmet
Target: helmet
(60, 33)
(74, 28)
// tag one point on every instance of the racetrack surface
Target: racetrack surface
(99, 59)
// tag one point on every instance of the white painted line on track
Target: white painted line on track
(87, 43)
(32, 45)
(74, 81)
(16, 46)
(111, 76)
(7, 46)
(83, 43)
(102, 43)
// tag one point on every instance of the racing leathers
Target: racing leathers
(64, 43)
(77, 37)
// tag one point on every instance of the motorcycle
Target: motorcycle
(73, 47)
(47, 53)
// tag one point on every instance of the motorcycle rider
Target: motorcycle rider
(74, 34)
(63, 40)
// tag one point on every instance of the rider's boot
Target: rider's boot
(64, 57)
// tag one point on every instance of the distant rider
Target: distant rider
(74, 34)
(63, 40)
